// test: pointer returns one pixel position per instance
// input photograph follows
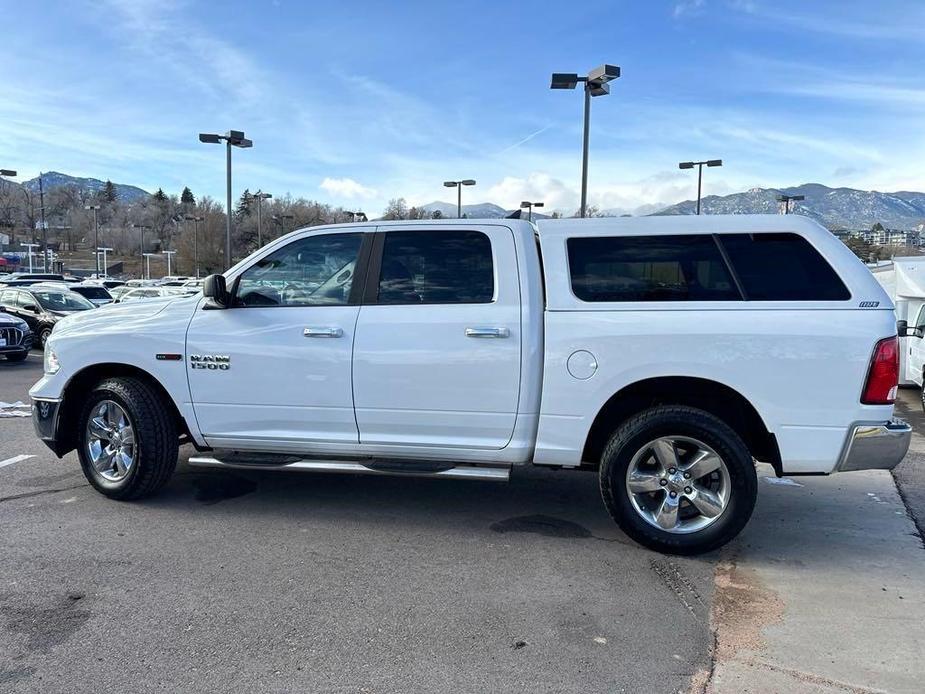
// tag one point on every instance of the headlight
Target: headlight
(51, 361)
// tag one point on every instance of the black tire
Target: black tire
(43, 337)
(156, 438)
(19, 356)
(635, 433)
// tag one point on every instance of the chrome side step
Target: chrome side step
(496, 473)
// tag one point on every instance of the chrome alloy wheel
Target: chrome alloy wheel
(111, 441)
(678, 484)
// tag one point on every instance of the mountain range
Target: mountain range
(55, 179)
(835, 208)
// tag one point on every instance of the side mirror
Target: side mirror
(214, 288)
(30, 307)
(903, 329)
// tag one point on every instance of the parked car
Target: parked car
(42, 307)
(665, 354)
(141, 283)
(111, 283)
(35, 276)
(118, 292)
(15, 337)
(96, 293)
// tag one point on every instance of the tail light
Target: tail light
(883, 374)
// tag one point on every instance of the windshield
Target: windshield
(61, 301)
(92, 292)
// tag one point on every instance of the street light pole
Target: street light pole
(529, 206)
(44, 224)
(458, 185)
(231, 138)
(148, 264)
(595, 84)
(699, 165)
(195, 220)
(260, 196)
(142, 247)
(787, 199)
(96, 233)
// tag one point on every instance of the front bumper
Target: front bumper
(875, 446)
(45, 420)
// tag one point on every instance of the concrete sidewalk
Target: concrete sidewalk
(823, 592)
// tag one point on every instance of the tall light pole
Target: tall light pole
(699, 165)
(458, 186)
(787, 199)
(526, 204)
(102, 251)
(168, 254)
(96, 233)
(260, 196)
(595, 85)
(30, 246)
(44, 223)
(233, 138)
(195, 220)
(142, 246)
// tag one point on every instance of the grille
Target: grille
(13, 336)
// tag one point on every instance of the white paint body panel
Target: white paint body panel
(904, 281)
(420, 381)
(420, 389)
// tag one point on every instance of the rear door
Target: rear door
(438, 343)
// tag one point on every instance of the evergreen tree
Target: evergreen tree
(244, 205)
(187, 197)
(160, 196)
(437, 214)
(108, 194)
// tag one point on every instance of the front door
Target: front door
(274, 371)
(438, 344)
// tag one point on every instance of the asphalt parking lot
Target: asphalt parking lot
(281, 582)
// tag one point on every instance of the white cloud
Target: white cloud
(687, 7)
(347, 188)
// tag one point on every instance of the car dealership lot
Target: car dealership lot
(287, 582)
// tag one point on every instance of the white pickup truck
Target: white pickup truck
(667, 354)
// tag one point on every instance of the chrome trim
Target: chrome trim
(469, 472)
(323, 332)
(878, 446)
(487, 332)
(13, 336)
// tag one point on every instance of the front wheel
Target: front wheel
(43, 337)
(127, 439)
(678, 480)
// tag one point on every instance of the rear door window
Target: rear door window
(782, 267)
(436, 267)
(649, 268)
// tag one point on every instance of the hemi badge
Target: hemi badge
(169, 357)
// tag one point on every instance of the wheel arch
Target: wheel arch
(705, 394)
(85, 379)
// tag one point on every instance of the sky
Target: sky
(353, 103)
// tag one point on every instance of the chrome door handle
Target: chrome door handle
(323, 332)
(487, 332)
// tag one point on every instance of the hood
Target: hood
(6, 320)
(113, 318)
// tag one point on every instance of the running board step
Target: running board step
(495, 473)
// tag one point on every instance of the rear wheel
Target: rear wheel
(127, 439)
(43, 336)
(678, 480)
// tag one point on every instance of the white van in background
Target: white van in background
(904, 280)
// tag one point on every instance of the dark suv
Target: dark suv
(41, 308)
(15, 337)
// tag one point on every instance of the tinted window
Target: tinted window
(92, 292)
(436, 267)
(782, 267)
(313, 271)
(7, 298)
(649, 268)
(52, 300)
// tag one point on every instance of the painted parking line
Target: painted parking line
(15, 459)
